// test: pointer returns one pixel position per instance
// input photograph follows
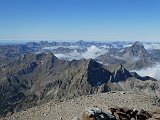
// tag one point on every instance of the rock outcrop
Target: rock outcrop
(116, 113)
(96, 113)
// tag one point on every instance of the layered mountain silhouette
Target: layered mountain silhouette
(34, 79)
(134, 57)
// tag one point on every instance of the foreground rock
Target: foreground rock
(96, 113)
(127, 114)
(116, 113)
(73, 109)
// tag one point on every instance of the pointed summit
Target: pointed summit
(138, 44)
(136, 50)
(80, 43)
(97, 74)
(137, 47)
(120, 74)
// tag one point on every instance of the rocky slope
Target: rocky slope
(35, 79)
(73, 109)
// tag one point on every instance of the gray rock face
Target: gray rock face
(38, 78)
(137, 49)
(138, 57)
(35, 79)
(120, 74)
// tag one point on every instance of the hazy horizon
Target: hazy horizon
(97, 41)
(3, 42)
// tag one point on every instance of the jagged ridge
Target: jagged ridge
(38, 78)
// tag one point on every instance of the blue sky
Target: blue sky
(80, 20)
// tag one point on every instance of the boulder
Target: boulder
(96, 113)
(130, 114)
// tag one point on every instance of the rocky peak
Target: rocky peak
(29, 62)
(136, 49)
(39, 56)
(97, 74)
(44, 42)
(120, 74)
(137, 44)
(32, 44)
(80, 43)
(51, 56)
(92, 63)
(54, 43)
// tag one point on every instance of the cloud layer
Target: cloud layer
(91, 52)
(56, 47)
(152, 46)
(153, 71)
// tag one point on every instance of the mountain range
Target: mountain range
(133, 56)
(36, 78)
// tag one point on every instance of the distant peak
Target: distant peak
(51, 55)
(43, 41)
(39, 56)
(137, 49)
(80, 41)
(138, 44)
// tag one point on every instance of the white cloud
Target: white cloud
(56, 47)
(153, 71)
(91, 52)
(50, 48)
(115, 46)
(151, 46)
(69, 56)
(105, 46)
(127, 45)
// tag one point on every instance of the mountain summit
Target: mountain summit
(136, 50)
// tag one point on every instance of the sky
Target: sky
(101, 20)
